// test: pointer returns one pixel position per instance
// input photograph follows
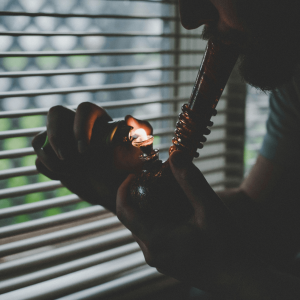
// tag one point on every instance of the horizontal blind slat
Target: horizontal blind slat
(59, 219)
(111, 105)
(16, 153)
(107, 105)
(66, 268)
(30, 188)
(57, 236)
(21, 132)
(96, 52)
(116, 285)
(78, 248)
(9, 173)
(171, 2)
(78, 280)
(38, 206)
(157, 117)
(93, 33)
(97, 88)
(94, 70)
(100, 16)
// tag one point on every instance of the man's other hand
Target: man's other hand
(91, 174)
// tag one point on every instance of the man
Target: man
(246, 253)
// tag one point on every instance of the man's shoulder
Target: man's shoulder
(281, 143)
(288, 94)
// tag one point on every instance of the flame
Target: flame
(140, 135)
(141, 139)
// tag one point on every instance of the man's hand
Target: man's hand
(199, 250)
(93, 176)
(206, 251)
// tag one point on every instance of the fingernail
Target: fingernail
(60, 155)
(82, 146)
(180, 159)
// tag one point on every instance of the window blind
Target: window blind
(130, 57)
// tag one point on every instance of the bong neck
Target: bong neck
(215, 69)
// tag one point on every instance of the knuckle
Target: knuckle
(39, 165)
(39, 140)
(53, 137)
(147, 124)
(87, 107)
(33, 142)
(150, 259)
(154, 246)
(57, 109)
(120, 214)
(151, 245)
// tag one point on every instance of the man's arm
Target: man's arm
(267, 206)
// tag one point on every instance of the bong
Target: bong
(155, 189)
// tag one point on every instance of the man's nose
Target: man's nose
(194, 13)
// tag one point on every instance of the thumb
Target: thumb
(190, 179)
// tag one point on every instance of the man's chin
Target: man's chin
(229, 37)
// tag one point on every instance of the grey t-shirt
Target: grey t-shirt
(282, 141)
(282, 146)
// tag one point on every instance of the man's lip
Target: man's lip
(193, 24)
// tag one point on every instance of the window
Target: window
(256, 118)
(131, 57)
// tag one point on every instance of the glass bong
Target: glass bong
(155, 189)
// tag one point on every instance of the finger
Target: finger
(60, 130)
(147, 253)
(51, 162)
(189, 178)
(45, 171)
(39, 140)
(135, 123)
(141, 244)
(86, 115)
(130, 215)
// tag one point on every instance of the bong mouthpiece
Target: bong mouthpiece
(215, 69)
